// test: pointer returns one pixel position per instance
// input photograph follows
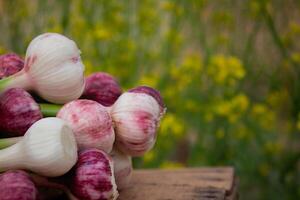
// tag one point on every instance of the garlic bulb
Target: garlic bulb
(91, 124)
(17, 184)
(10, 64)
(53, 69)
(48, 148)
(94, 176)
(18, 111)
(136, 115)
(122, 168)
(101, 87)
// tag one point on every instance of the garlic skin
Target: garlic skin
(10, 64)
(122, 168)
(91, 124)
(136, 115)
(102, 87)
(18, 111)
(17, 184)
(93, 177)
(48, 148)
(53, 69)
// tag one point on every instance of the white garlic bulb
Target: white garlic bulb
(48, 148)
(53, 69)
(136, 115)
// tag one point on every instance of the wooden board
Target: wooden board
(182, 184)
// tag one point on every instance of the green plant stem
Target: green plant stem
(6, 142)
(49, 110)
(4, 83)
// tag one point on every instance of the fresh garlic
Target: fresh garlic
(122, 168)
(91, 124)
(18, 111)
(53, 69)
(48, 148)
(10, 64)
(17, 184)
(136, 115)
(101, 87)
(94, 176)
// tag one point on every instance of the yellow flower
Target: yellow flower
(171, 124)
(171, 165)
(294, 28)
(296, 57)
(2, 50)
(149, 156)
(233, 108)
(149, 79)
(103, 33)
(264, 116)
(241, 102)
(225, 69)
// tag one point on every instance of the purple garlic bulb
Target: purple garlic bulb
(93, 177)
(17, 185)
(136, 115)
(90, 122)
(18, 111)
(102, 87)
(122, 168)
(10, 64)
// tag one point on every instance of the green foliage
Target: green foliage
(228, 71)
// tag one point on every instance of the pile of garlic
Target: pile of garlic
(73, 133)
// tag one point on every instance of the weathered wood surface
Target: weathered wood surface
(182, 184)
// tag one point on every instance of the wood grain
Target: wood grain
(182, 184)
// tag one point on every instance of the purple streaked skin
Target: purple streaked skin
(17, 185)
(150, 91)
(18, 111)
(90, 122)
(93, 176)
(10, 64)
(102, 87)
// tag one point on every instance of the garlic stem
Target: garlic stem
(6, 142)
(50, 110)
(18, 80)
(9, 159)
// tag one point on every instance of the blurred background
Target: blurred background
(228, 71)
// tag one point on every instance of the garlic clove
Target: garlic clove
(94, 176)
(102, 87)
(122, 168)
(10, 64)
(91, 124)
(48, 148)
(18, 111)
(17, 184)
(136, 115)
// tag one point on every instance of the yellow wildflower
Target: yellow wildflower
(103, 33)
(149, 156)
(171, 165)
